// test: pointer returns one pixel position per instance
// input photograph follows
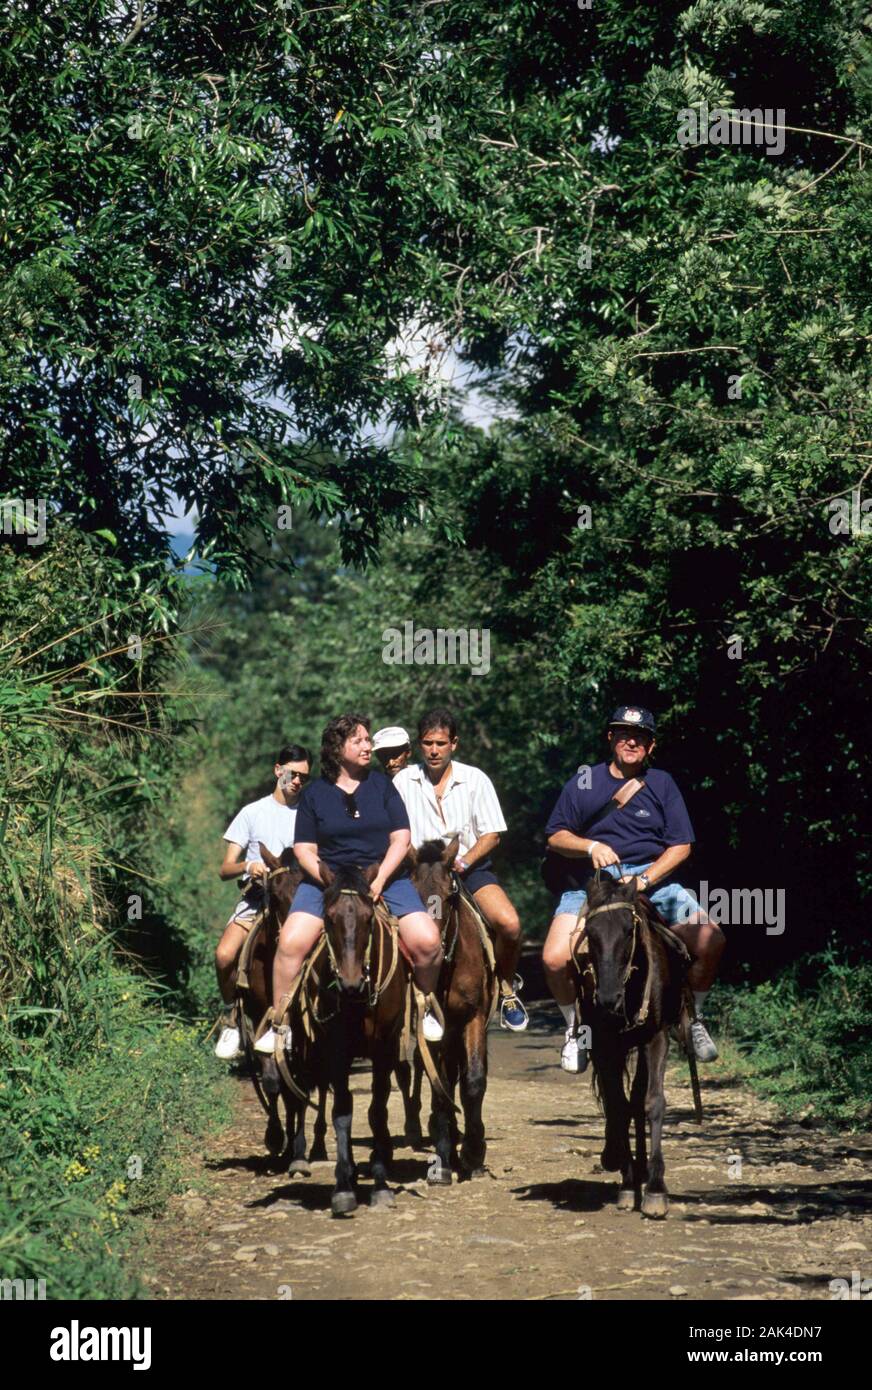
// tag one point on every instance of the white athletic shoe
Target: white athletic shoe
(572, 1057)
(267, 1043)
(432, 1028)
(703, 1044)
(227, 1046)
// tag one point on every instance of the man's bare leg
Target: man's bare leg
(500, 912)
(226, 957)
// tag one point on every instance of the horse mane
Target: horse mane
(431, 852)
(346, 876)
(606, 890)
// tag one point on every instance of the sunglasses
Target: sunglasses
(295, 777)
(351, 806)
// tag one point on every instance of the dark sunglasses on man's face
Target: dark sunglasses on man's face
(637, 735)
(296, 777)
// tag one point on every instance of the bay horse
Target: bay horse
(354, 999)
(466, 992)
(254, 996)
(630, 988)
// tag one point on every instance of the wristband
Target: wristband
(591, 846)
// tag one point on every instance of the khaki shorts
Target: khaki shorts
(246, 910)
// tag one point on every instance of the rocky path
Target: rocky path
(760, 1208)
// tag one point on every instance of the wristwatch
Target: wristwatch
(462, 865)
(643, 881)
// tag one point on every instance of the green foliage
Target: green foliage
(97, 1070)
(804, 1036)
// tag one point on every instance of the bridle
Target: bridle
(590, 968)
(374, 989)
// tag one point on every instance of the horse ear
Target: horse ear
(370, 873)
(411, 857)
(449, 854)
(327, 875)
(268, 857)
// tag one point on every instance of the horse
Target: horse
(631, 990)
(466, 992)
(353, 1000)
(254, 996)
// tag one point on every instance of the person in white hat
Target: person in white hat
(393, 748)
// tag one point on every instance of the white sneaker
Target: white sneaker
(572, 1057)
(432, 1028)
(267, 1043)
(227, 1046)
(703, 1044)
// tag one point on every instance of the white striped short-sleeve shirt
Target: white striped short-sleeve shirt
(470, 807)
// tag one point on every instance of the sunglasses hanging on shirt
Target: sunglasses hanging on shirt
(351, 806)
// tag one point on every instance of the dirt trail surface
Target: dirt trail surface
(542, 1224)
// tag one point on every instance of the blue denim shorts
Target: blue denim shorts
(401, 897)
(479, 876)
(676, 904)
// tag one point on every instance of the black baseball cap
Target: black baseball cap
(633, 716)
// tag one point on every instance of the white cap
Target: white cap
(391, 737)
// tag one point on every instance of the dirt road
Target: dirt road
(760, 1209)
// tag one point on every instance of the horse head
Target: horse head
(431, 875)
(281, 885)
(613, 915)
(348, 921)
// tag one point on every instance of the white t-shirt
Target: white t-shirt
(268, 822)
(470, 807)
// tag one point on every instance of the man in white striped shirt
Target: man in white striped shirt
(445, 798)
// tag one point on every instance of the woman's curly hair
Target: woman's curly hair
(332, 739)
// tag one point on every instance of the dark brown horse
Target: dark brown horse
(631, 989)
(355, 1003)
(465, 992)
(288, 1140)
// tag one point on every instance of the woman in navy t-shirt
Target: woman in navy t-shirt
(353, 815)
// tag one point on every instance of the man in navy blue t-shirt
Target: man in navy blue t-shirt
(646, 836)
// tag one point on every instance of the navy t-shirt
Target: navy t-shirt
(655, 818)
(322, 820)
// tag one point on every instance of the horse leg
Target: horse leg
(318, 1151)
(615, 1156)
(416, 1138)
(382, 1149)
(637, 1111)
(655, 1201)
(442, 1121)
(473, 1084)
(413, 1133)
(274, 1134)
(343, 1200)
(296, 1115)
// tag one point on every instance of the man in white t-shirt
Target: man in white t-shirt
(269, 821)
(445, 798)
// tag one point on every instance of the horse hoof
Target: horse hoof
(414, 1138)
(318, 1153)
(343, 1203)
(439, 1177)
(382, 1197)
(274, 1139)
(611, 1162)
(655, 1204)
(299, 1168)
(626, 1199)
